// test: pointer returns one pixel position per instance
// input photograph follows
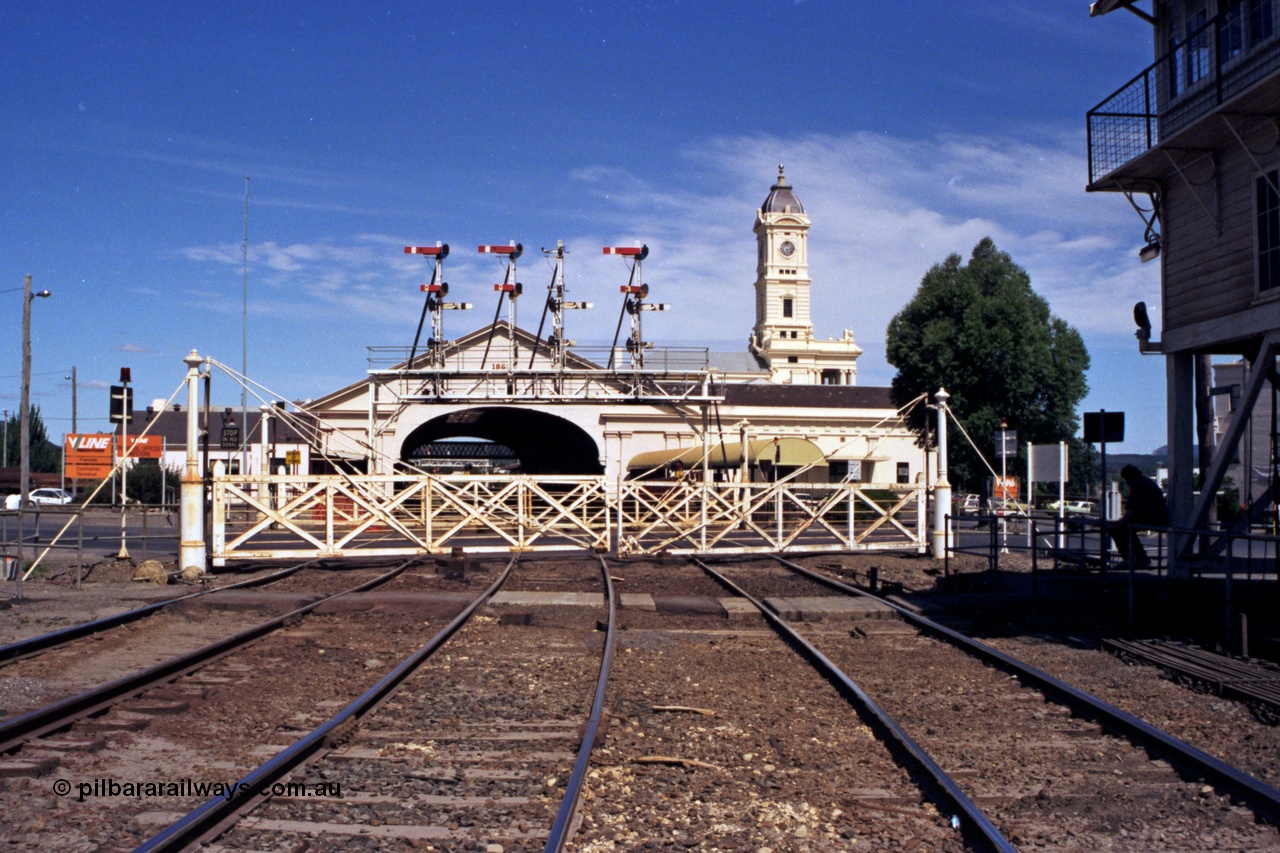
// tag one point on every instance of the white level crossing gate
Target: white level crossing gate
(299, 517)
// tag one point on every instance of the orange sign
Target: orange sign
(88, 456)
(142, 447)
(1007, 488)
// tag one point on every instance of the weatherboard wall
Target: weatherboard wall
(1209, 267)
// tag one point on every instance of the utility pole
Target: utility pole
(75, 484)
(24, 416)
(24, 411)
(244, 341)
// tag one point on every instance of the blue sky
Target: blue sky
(909, 131)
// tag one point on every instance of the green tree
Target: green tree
(145, 479)
(46, 457)
(980, 331)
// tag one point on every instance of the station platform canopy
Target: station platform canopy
(782, 452)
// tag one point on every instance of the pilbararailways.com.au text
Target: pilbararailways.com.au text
(193, 788)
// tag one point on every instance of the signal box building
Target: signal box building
(1193, 142)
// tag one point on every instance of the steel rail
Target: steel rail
(22, 648)
(1258, 795)
(218, 814)
(939, 787)
(573, 789)
(58, 715)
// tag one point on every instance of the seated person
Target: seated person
(1144, 508)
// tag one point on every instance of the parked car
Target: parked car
(1074, 507)
(1006, 508)
(50, 497)
(966, 505)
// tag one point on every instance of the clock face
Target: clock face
(787, 248)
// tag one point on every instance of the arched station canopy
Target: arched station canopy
(545, 443)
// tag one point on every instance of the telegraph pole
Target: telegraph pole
(75, 483)
(24, 414)
(73, 400)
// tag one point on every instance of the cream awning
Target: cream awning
(790, 452)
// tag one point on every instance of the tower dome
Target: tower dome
(781, 199)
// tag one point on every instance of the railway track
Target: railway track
(721, 739)
(1255, 683)
(19, 649)
(488, 734)
(1032, 756)
(485, 742)
(43, 669)
(196, 719)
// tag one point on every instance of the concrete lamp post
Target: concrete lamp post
(191, 517)
(942, 486)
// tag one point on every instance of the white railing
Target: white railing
(299, 517)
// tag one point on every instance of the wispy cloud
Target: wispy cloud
(884, 210)
(204, 154)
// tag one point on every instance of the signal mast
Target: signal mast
(634, 293)
(556, 305)
(434, 304)
(509, 285)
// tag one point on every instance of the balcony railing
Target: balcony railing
(1229, 54)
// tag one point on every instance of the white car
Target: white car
(50, 497)
(1074, 507)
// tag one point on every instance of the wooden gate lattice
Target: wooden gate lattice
(750, 517)
(301, 517)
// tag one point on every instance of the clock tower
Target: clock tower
(783, 335)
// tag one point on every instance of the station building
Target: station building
(597, 412)
(502, 399)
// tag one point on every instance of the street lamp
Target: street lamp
(24, 414)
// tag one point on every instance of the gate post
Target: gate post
(191, 508)
(941, 487)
